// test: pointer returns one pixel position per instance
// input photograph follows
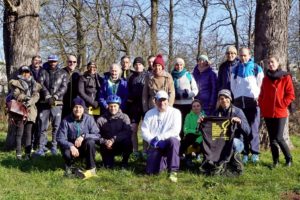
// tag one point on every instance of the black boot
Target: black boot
(288, 162)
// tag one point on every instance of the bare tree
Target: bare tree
(204, 5)
(153, 26)
(20, 33)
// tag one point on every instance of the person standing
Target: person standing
(54, 86)
(126, 67)
(25, 90)
(185, 88)
(246, 80)
(206, 80)
(150, 60)
(159, 79)
(277, 92)
(89, 85)
(136, 84)
(72, 91)
(224, 73)
(161, 128)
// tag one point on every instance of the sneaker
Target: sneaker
(86, 174)
(39, 153)
(54, 151)
(173, 177)
(19, 157)
(136, 155)
(255, 158)
(289, 162)
(245, 159)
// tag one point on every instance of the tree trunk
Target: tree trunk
(271, 35)
(81, 47)
(171, 30)
(201, 27)
(21, 35)
(153, 27)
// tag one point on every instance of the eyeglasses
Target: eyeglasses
(230, 53)
(71, 61)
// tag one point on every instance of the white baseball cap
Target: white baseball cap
(161, 95)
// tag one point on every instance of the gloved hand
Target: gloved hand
(161, 144)
(51, 101)
(185, 94)
(177, 96)
(153, 142)
(95, 104)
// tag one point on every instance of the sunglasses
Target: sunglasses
(70, 61)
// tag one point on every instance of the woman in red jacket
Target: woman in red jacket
(276, 94)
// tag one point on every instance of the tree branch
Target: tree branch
(10, 6)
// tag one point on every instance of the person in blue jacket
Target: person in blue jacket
(113, 84)
(76, 137)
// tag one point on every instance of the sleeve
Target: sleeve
(35, 95)
(62, 135)
(81, 91)
(187, 127)
(220, 78)
(213, 83)
(171, 90)
(289, 93)
(244, 122)
(126, 129)
(63, 86)
(145, 96)
(174, 127)
(261, 94)
(194, 88)
(44, 89)
(259, 77)
(102, 95)
(94, 132)
(145, 128)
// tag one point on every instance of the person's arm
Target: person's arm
(62, 135)
(102, 95)
(145, 128)
(145, 96)
(63, 86)
(126, 130)
(194, 88)
(289, 93)
(171, 89)
(187, 127)
(81, 91)
(244, 125)
(213, 98)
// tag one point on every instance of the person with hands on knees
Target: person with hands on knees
(115, 130)
(161, 128)
(76, 137)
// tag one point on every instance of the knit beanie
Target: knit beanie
(225, 93)
(231, 49)
(159, 60)
(138, 60)
(78, 101)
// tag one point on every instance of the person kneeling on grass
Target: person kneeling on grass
(116, 132)
(161, 128)
(76, 136)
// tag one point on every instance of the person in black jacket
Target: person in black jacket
(72, 80)
(136, 84)
(116, 131)
(88, 87)
(54, 86)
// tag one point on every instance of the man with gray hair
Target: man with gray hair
(161, 128)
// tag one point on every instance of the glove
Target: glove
(153, 142)
(177, 96)
(51, 101)
(185, 94)
(95, 104)
(161, 144)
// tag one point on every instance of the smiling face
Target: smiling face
(224, 101)
(125, 63)
(162, 104)
(36, 62)
(179, 67)
(139, 67)
(26, 74)
(230, 56)
(92, 69)
(273, 64)
(157, 69)
(72, 62)
(78, 111)
(196, 107)
(113, 108)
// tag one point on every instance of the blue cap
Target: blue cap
(78, 101)
(53, 58)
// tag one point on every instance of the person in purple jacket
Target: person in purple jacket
(206, 80)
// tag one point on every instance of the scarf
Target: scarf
(177, 75)
(27, 84)
(274, 75)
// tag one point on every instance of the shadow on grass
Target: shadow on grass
(46, 163)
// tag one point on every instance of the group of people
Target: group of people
(87, 109)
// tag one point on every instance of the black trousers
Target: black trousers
(184, 109)
(23, 129)
(123, 148)
(86, 150)
(275, 127)
(188, 140)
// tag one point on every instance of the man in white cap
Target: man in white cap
(161, 128)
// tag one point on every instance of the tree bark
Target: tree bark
(201, 27)
(153, 26)
(21, 35)
(271, 35)
(171, 30)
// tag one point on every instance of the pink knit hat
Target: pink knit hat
(159, 60)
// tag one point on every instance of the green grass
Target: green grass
(43, 179)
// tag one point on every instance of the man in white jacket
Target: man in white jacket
(161, 128)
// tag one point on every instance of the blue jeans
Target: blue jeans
(238, 145)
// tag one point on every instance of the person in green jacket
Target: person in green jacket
(192, 136)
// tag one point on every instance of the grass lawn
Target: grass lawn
(42, 178)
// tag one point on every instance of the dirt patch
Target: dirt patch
(290, 196)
